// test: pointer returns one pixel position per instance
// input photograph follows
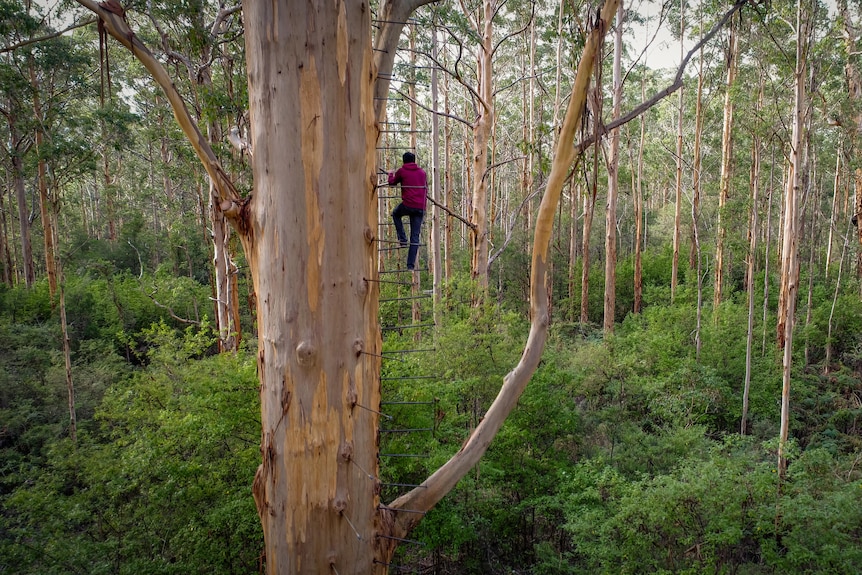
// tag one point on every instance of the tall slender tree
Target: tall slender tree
(732, 65)
(613, 182)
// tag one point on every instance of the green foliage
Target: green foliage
(161, 485)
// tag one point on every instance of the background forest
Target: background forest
(648, 440)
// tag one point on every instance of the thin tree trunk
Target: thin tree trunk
(21, 197)
(766, 250)
(753, 232)
(726, 163)
(834, 213)
(677, 215)
(694, 254)
(827, 363)
(481, 136)
(45, 210)
(790, 250)
(639, 216)
(589, 209)
(5, 253)
(613, 183)
(436, 218)
(447, 187)
(67, 356)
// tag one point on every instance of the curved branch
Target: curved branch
(516, 32)
(439, 113)
(446, 477)
(116, 26)
(223, 13)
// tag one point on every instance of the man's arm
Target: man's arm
(394, 177)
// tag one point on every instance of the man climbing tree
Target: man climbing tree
(414, 188)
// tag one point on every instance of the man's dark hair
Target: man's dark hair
(408, 158)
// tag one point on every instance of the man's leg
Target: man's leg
(398, 213)
(416, 217)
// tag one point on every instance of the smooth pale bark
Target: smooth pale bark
(311, 82)
(726, 163)
(790, 249)
(613, 183)
(447, 179)
(479, 155)
(693, 254)
(225, 280)
(574, 240)
(677, 212)
(436, 216)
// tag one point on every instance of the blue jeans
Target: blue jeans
(416, 216)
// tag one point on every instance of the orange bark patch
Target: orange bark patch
(312, 160)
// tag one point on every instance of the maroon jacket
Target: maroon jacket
(414, 185)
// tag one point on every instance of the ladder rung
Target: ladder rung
(410, 326)
(403, 455)
(406, 430)
(409, 350)
(405, 298)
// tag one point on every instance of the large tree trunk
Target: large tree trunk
(310, 246)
